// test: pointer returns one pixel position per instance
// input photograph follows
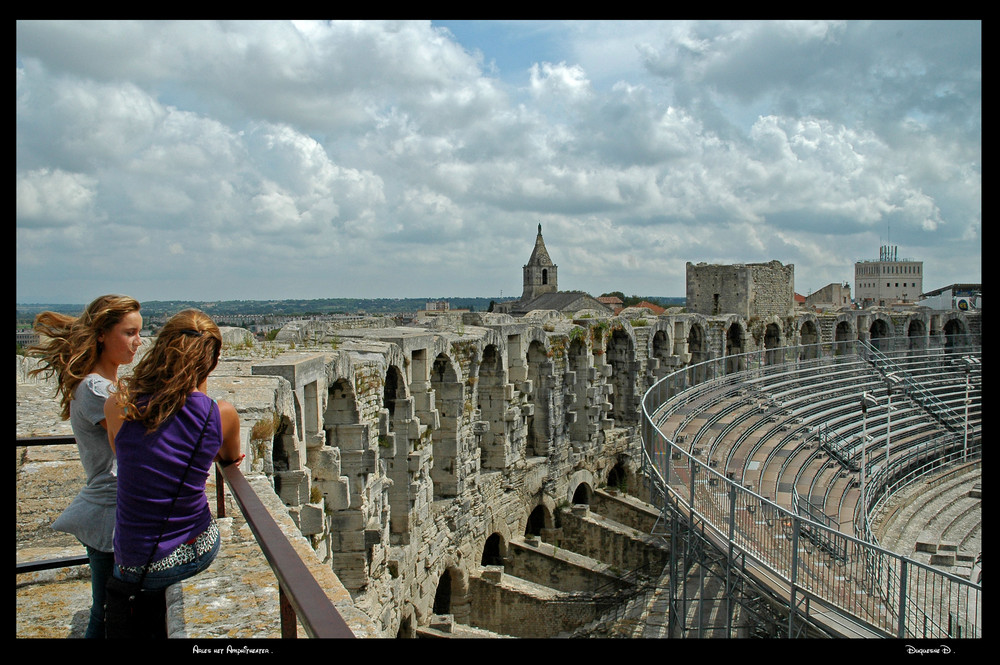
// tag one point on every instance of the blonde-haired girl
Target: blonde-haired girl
(84, 353)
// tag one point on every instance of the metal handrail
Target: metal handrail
(299, 594)
(890, 585)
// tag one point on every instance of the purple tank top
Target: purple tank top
(149, 475)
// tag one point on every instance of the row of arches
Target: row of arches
(443, 399)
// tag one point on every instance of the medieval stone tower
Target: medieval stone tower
(540, 274)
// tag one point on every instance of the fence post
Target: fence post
(901, 631)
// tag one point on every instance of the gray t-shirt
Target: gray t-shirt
(91, 516)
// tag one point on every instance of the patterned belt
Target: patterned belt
(183, 553)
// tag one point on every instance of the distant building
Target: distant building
(963, 297)
(748, 289)
(27, 337)
(831, 296)
(655, 309)
(888, 280)
(614, 303)
(541, 288)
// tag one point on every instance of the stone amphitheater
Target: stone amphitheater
(479, 475)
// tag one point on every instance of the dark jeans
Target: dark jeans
(101, 565)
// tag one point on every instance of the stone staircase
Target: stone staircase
(937, 522)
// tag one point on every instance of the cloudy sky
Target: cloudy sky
(259, 160)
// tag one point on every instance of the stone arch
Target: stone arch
(916, 334)
(283, 448)
(494, 550)
(735, 346)
(879, 332)
(393, 389)
(341, 417)
(539, 425)
(843, 335)
(582, 494)
(493, 445)
(581, 416)
(772, 342)
(451, 596)
(449, 399)
(620, 354)
(541, 516)
(538, 519)
(397, 423)
(955, 332)
(618, 477)
(697, 348)
(660, 349)
(581, 484)
(809, 339)
(341, 405)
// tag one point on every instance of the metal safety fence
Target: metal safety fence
(844, 582)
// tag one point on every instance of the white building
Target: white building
(888, 280)
(964, 297)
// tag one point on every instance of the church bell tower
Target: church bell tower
(540, 274)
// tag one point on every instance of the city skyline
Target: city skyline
(288, 160)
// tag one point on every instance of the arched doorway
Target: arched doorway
(954, 335)
(539, 374)
(449, 395)
(772, 341)
(493, 551)
(734, 347)
(699, 353)
(538, 519)
(878, 335)
(620, 354)
(582, 494)
(916, 335)
(809, 340)
(842, 338)
(618, 478)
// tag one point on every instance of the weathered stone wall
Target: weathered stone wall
(772, 289)
(511, 606)
(748, 290)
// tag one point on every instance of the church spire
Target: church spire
(539, 273)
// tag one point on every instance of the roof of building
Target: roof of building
(563, 301)
(953, 287)
(539, 255)
(655, 309)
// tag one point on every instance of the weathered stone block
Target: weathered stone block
(312, 519)
(336, 493)
(292, 487)
(324, 462)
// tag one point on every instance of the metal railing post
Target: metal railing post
(901, 631)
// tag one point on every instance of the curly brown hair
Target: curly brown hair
(185, 352)
(69, 348)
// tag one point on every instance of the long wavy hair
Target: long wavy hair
(68, 347)
(183, 355)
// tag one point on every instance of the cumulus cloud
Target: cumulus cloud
(275, 152)
(54, 198)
